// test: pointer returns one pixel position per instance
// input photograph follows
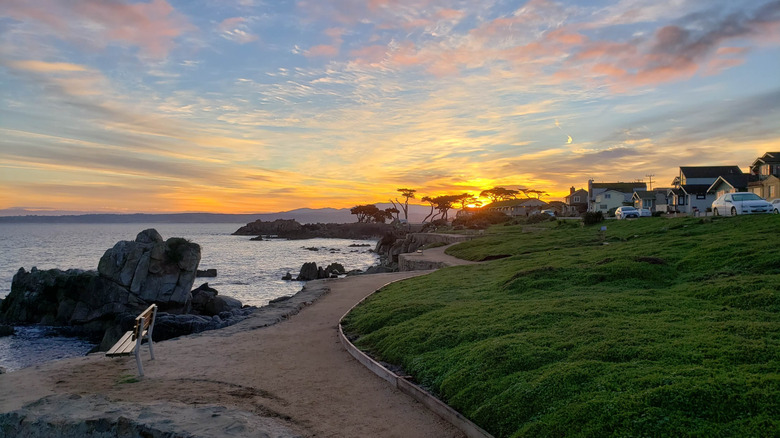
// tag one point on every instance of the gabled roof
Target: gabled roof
(513, 203)
(695, 189)
(643, 194)
(739, 182)
(625, 187)
(768, 157)
(709, 171)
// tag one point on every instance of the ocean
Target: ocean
(247, 270)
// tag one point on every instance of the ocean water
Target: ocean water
(247, 270)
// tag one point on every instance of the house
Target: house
(691, 187)
(608, 200)
(765, 176)
(653, 200)
(517, 207)
(595, 201)
(729, 184)
(576, 201)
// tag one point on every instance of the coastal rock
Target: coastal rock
(290, 229)
(308, 272)
(287, 276)
(220, 304)
(335, 268)
(131, 275)
(157, 271)
(6, 330)
(206, 273)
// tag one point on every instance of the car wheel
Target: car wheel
(715, 212)
(776, 212)
(733, 211)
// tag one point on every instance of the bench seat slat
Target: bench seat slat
(124, 346)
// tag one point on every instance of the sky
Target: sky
(244, 106)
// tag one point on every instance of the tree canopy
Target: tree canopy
(497, 194)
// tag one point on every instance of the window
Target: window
(603, 207)
(681, 200)
(770, 190)
(701, 196)
(576, 199)
(607, 195)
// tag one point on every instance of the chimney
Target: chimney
(571, 190)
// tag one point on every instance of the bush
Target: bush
(539, 217)
(481, 219)
(593, 217)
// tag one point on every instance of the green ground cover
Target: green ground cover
(656, 327)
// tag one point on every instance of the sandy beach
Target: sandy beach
(292, 378)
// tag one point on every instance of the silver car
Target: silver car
(776, 206)
(733, 204)
(626, 212)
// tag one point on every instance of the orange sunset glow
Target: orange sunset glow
(246, 107)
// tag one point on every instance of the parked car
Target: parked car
(626, 212)
(776, 206)
(733, 204)
(645, 212)
(549, 212)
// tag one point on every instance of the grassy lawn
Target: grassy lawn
(657, 327)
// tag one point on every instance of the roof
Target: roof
(643, 194)
(512, 203)
(768, 157)
(739, 182)
(625, 187)
(695, 189)
(709, 171)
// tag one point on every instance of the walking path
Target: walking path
(295, 375)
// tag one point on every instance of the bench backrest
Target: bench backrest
(144, 321)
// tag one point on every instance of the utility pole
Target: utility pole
(651, 181)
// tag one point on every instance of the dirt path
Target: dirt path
(295, 372)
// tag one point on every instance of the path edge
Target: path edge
(437, 406)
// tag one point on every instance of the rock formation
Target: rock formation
(130, 276)
(290, 229)
(310, 271)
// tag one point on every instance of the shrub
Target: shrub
(481, 219)
(593, 217)
(539, 217)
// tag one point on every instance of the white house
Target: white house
(694, 182)
(608, 200)
(626, 189)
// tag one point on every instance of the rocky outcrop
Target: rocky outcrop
(156, 271)
(131, 275)
(310, 271)
(392, 245)
(290, 229)
(206, 273)
(75, 416)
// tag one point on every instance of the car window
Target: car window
(746, 197)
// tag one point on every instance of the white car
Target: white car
(626, 212)
(732, 204)
(776, 206)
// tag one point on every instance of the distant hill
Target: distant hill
(303, 215)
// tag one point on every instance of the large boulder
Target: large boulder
(155, 270)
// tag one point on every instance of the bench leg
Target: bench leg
(151, 347)
(138, 362)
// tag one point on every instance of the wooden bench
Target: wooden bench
(130, 343)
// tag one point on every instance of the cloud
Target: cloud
(236, 29)
(46, 67)
(151, 27)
